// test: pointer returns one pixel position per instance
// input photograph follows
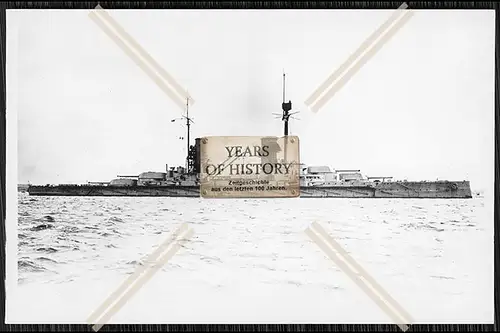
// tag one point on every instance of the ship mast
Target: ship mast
(286, 116)
(188, 125)
(286, 109)
(189, 152)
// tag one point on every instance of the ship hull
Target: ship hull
(435, 190)
(115, 191)
(428, 190)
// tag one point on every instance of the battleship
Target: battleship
(318, 181)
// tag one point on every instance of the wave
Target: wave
(41, 227)
(96, 234)
(29, 266)
(48, 260)
(47, 249)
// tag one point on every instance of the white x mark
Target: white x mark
(180, 97)
(317, 100)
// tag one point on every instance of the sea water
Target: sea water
(250, 261)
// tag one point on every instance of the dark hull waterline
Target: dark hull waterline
(435, 190)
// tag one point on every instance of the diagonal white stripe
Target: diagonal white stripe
(343, 79)
(141, 58)
(352, 269)
(137, 274)
(370, 40)
(140, 282)
(169, 78)
(361, 55)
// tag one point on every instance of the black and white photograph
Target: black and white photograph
(391, 216)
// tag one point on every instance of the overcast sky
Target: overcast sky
(421, 108)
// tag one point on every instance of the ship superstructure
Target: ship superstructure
(315, 181)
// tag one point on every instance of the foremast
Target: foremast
(189, 165)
